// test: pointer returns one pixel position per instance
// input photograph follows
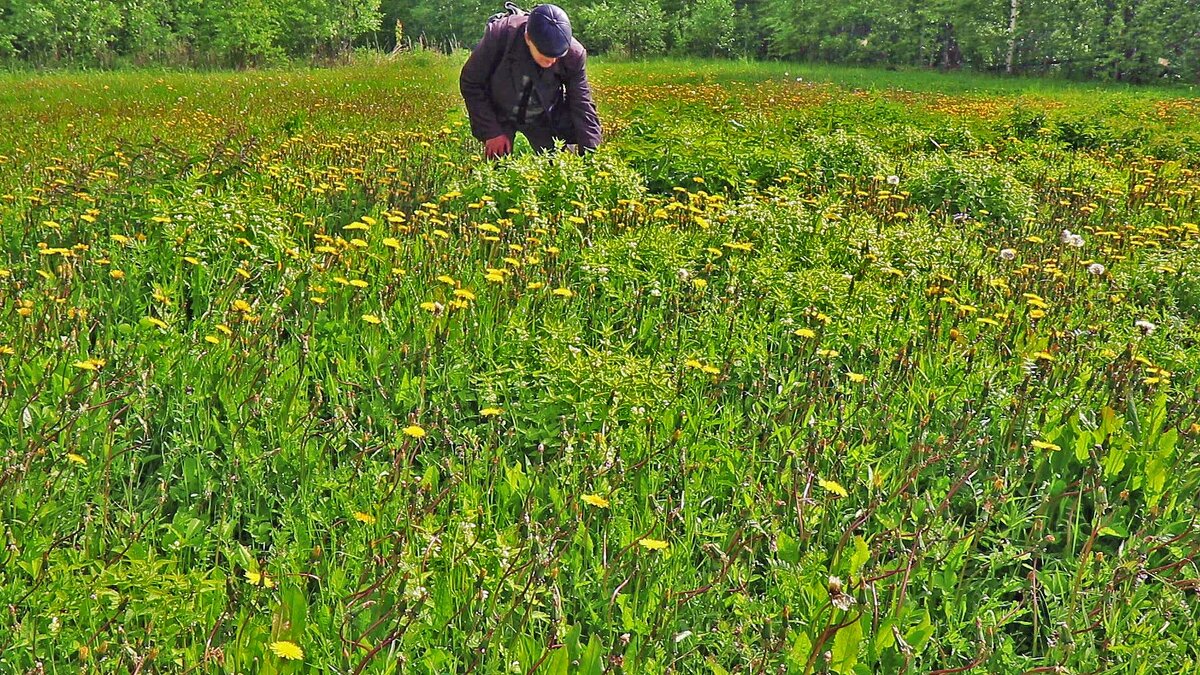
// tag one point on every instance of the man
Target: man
(527, 74)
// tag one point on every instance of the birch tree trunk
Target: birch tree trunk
(1013, 12)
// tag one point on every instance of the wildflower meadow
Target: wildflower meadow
(806, 370)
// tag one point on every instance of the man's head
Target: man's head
(548, 34)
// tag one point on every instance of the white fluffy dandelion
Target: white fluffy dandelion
(1071, 239)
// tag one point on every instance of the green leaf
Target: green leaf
(789, 548)
(801, 648)
(859, 557)
(845, 648)
(558, 663)
(1159, 465)
(715, 667)
(918, 635)
(590, 661)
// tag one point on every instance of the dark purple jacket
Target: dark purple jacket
(491, 83)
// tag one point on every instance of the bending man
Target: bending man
(528, 74)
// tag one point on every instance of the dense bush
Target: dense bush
(1153, 40)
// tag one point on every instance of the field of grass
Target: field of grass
(804, 371)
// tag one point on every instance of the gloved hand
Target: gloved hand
(497, 147)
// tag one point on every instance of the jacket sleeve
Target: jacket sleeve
(474, 83)
(583, 108)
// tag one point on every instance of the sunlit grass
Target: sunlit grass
(786, 378)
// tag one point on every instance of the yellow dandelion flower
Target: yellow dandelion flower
(856, 377)
(491, 412)
(464, 294)
(598, 502)
(563, 292)
(833, 487)
(116, 274)
(242, 306)
(76, 459)
(392, 242)
(287, 650)
(1043, 445)
(259, 579)
(371, 319)
(804, 333)
(364, 518)
(653, 544)
(414, 431)
(212, 339)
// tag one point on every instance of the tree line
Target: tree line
(1124, 40)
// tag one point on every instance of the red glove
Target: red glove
(497, 147)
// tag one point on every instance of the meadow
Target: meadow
(807, 370)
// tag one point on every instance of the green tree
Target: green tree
(632, 28)
(148, 33)
(447, 23)
(707, 28)
(326, 27)
(62, 30)
(240, 33)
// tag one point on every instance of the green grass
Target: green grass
(915, 79)
(788, 377)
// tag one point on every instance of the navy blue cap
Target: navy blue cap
(550, 30)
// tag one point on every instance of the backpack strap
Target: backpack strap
(512, 40)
